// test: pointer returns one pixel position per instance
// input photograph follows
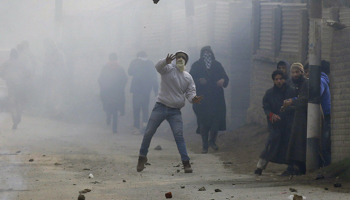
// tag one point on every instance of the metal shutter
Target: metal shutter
(266, 40)
(292, 26)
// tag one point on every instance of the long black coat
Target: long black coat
(278, 140)
(112, 81)
(297, 142)
(213, 102)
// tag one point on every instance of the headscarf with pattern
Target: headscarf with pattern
(208, 59)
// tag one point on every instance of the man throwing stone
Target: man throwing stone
(176, 85)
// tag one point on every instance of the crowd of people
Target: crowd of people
(285, 104)
(286, 107)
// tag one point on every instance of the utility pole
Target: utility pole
(314, 112)
(58, 19)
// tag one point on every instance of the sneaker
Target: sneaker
(258, 171)
(141, 163)
(187, 166)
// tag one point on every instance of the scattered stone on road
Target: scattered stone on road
(297, 197)
(202, 189)
(168, 195)
(182, 187)
(84, 191)
(31, 160)
(58, 164)
(81, 197)
(158, 147)
(293, 190)
(218, 190)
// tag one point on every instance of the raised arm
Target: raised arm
(163, 65)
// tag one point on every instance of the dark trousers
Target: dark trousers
(208, 128)
(140, 102)
(326, 140)
(208, 137)
(114, 118)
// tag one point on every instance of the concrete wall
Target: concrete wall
(260, 82)
(340, 90)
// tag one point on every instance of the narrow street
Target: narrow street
(65, 154)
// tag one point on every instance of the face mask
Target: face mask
(180, 63)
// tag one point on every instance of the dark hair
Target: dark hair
(113, 57)
(306, 66)
(281, 63)
(278, 72)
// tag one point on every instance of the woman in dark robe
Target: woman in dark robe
(210, 79)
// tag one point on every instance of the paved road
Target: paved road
(65, 154)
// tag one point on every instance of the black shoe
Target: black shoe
(258, 171)
(141, 163)
(187, 166)
(204, 151)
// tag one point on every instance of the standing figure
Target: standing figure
(279, 122)
(296, 152)
(285, 67)
(17, 76)
(210, 79)
(176, 85)
(112, 81)
(144, 79)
